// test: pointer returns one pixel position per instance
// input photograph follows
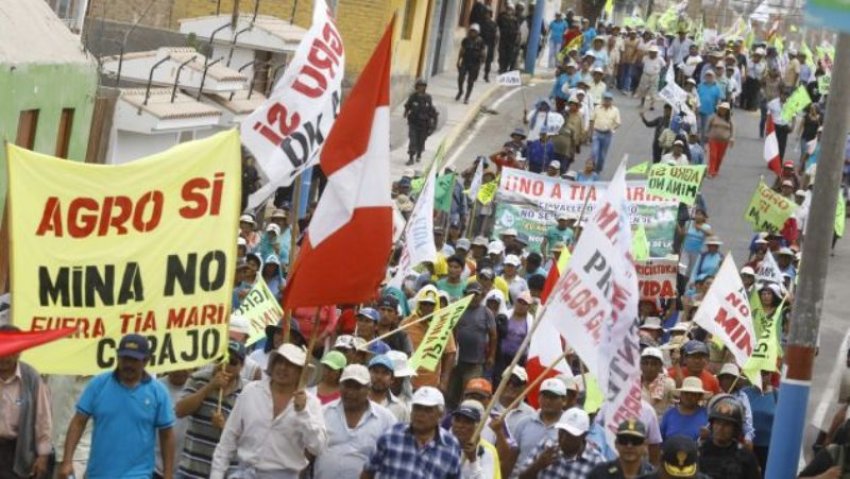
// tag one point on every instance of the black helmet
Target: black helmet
(726, 407)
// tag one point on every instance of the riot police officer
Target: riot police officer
(508, 38)
(421, 120)
(722, 455)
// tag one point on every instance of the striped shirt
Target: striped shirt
(201, 435)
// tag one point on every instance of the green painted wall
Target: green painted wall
(48, 88)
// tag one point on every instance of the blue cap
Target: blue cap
(370, 313)
(468, 412)
(134, 346)
(381, 360)
(235, 348)
(608, 95)
(379, 347)
(695, 347)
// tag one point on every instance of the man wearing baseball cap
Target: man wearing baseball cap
(480, 460)
(275, 422)
(631, 449)
(533, 429)
(564, 456)
(516, 283)
(656, 387)
(349, 447)
(130, 412)
(395, 448)
(696, 360)
(426, 302)
(381, 373)
(388, 307)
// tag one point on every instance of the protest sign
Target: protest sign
(768, 271)
(594, 304)
(657, 279)
(261, 309)
(640, 245)
(113, 250)
(677, 98)
(487, 192)
(768, 210)
(680, 183)
(766, 350)
(511, 78)
(287, 132)
(430, 350)
(419, 233)
(530, 203)
(795, 103)
(639, 169)
(725, 312)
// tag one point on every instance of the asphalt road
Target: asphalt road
(727, 196)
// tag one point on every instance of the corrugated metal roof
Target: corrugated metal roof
(30, 32)
(160, 105)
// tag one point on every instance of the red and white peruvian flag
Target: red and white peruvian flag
(344, 254)
(771, 147)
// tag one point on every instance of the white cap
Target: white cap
(759, 51)
(512, 260)
(475, 27)
(273, 227)
(520, 373)
(345, 341)
(653, 48)
(496, 247)
(509, 232)
(730, 369)
(294, 354)
(680, 327)
(238, 324)
(786, 250)
(651, 352)
(428, 396)
(575, 421)
(401, 364)
(569, 382)
(597, 70)
(713, 240)
(554, 386)
(748, 270)
(240, 241)
(357, 373)
(554, 164)
(691, 81)
(247, 219)
(652, 322)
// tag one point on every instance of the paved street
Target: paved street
(726, 196)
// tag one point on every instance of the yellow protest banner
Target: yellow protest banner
(768, 210)
(795, 103)
(681, 183)
(640, 244)
(639, 169)
(261, 309)
(593, 394)
(147, 247)
(488, 191)
(430, 350)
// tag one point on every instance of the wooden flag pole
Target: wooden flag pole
(302, 380)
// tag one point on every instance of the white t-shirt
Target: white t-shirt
(653, 66)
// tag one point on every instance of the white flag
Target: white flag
(594, 305)
(670, 76)
(477, 179)
(768, 271)
(287, 132)
(419, 233)
(511, 78)
(725, 312)
(398, 223)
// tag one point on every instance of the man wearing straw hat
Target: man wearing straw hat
(207, 401)
(274, 424)
(688, 418)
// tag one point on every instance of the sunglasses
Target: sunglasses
(629, 441)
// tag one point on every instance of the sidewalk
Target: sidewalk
(455, 117)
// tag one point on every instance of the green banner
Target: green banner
(488, 191)
(681, 183)
(430, 350)
(768, 210)
(261, 309)
(443, 192)
(840, 215)
(640, 244)
(766, 351)
(639, 169)
(795, 103)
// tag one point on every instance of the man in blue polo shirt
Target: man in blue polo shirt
(128, 408)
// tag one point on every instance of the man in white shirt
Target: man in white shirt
(354, 424)
(481, 461)
(676, 157)
(781, 127)
(274, 423)
(516, 283)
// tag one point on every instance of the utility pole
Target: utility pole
(533, 44)
(787, 436)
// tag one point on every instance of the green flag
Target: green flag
(639, 169)
(640, 245)
(416, 185)
(810, 58)
(768, 210)
(443, 192)
(796, 102)
(840, 215)
(766, 351)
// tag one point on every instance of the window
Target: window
(409, 14)
(63, 138)
(185, 135)
(27, 123)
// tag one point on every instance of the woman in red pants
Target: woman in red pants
(721, 135)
